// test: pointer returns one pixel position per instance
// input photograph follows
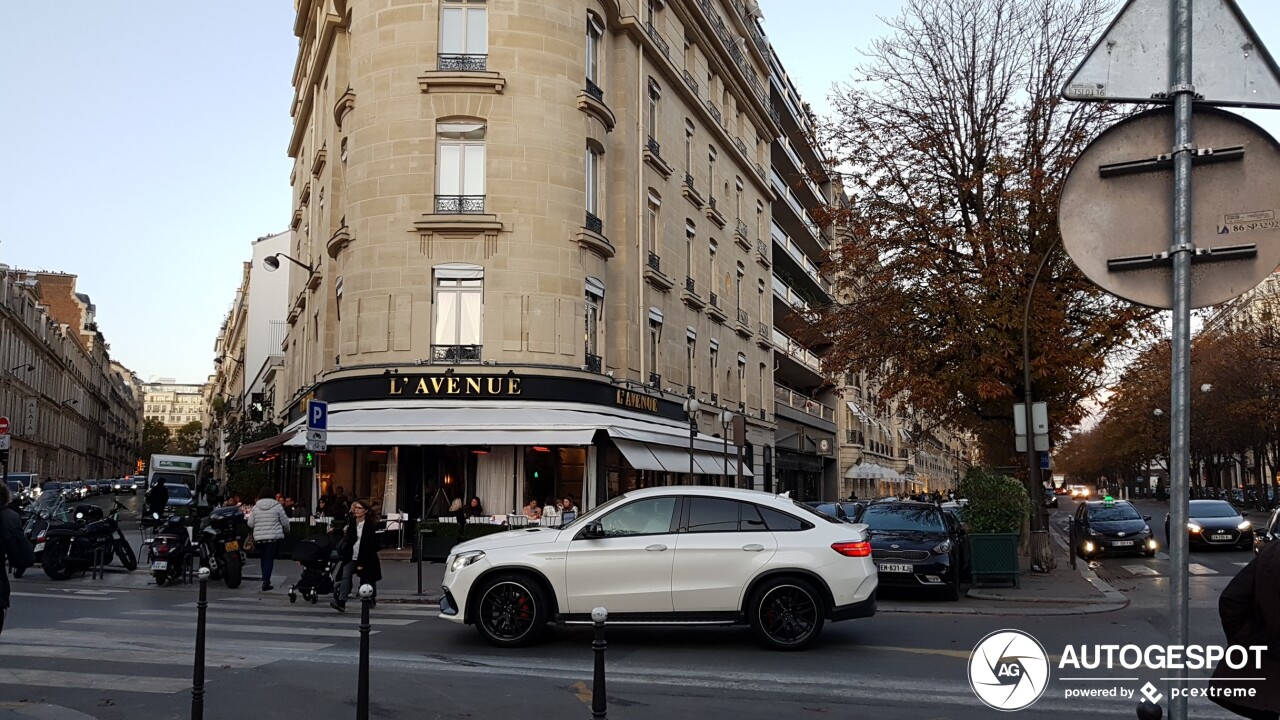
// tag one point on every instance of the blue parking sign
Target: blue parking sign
(317, 415)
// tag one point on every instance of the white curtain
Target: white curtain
(588, 495)
(494, 473)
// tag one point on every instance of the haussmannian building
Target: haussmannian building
(526, 234)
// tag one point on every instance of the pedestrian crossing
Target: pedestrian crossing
(1193, 569)
(114, 645)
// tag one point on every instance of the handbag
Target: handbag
(248, 543)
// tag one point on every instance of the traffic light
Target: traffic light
(308, 459)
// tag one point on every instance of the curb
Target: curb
(1005, 611)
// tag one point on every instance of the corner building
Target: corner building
(526, 233)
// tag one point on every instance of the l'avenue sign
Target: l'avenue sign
(455, 385)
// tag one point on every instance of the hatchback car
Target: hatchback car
(1215, 523)
(916, 545)
(701, 555)
(179, 494)
(1111, 526)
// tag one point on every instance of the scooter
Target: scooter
(170, 548)
(87, 539)
(220, 549)
(49, 509)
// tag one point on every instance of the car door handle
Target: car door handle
(754, 547)
(656, 548)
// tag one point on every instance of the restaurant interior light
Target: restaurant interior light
(480, 450)
(539, 448)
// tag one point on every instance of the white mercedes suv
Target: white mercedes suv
(669, 555)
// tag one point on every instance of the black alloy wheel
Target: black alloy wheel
(786, 614)
(511, 611)
(55, 561)
(124, 551)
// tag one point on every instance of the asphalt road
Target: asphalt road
(125, 651)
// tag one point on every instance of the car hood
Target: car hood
(1111, 527)
(907, 539)
(511, 538)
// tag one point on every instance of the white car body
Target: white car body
(667, 573)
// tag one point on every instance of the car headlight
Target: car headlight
(464, 559)
(1194, 527)
(1244, 525)
(1146, 528)
(942, 548)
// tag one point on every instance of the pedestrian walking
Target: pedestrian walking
(157, 498)
(359, 553)
(15, 548)
(269, 525)
(1250, 611)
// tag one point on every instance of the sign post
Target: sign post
(1145, 56)
(4, 448)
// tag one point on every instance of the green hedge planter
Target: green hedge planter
(994, 559)
(437, 539)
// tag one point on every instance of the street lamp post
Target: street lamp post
(726, 421)
(1041, 552)
(272, 263)
(692, 406)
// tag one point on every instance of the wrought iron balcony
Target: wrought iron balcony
(689, 285)
(715, 300)
(655, 262)
(711, 201)
(653, 146)
(762, 329)
(594, 224)
(693, 84)
(594, 90)
(657, 39)
(743, 317)
(655, 379)
(462, 63)
(455, 353)
(593, 363)
(460, 204)
(715, 113)
(741, 228)
(688, 181)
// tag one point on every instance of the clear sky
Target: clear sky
(145, 147)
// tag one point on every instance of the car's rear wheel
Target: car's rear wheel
(511, 611)
(786, 614)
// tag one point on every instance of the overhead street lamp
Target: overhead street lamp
(692, 406)
(272, 263)
(27, 366)
(1041, 552)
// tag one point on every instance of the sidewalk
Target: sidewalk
(1062, 592)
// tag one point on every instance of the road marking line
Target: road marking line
(1239, 564)
(176, 658)
(323, 608)
(1198, 569)
(93, 681)
(224, 627)
(1141, 570)
(61, 596)
(81, 638)
(230, 614)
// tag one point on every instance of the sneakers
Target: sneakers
(340, 607)
(268, 587)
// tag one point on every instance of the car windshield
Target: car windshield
(815, 512)
(1115, 513)
(903, 516)
(178, 491)
(1212, 509)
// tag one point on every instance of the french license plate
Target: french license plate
(160, 565)
(232, 545)
(1122, 543)
(895, 567)
(1221, 537)
(39, 547)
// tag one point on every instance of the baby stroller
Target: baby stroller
(318, 556)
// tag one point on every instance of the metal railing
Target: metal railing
(715, 301)
(688, 182)
(652, 146)
(594, 90)
(594, 224)
(455, 353)
(762, 248)
(657, 38)
(689, 285)
(593, 363)
(796, 351)
(655, 262)
(711, 199)
(762, 329)
(693, 84)
(715, 113)
(741, 228)
(655, 379)
(460, 204)
(792, 399)
(462, 62)
(743, 317)
(787, 295)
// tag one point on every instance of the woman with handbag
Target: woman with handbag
(360, 554)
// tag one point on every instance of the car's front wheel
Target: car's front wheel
(511, 611)
(786, 614)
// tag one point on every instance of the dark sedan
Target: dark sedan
(1111, 526)
(915, 545)
(1216, 523)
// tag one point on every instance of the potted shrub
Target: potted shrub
(996, 508)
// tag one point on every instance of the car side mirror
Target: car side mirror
(1147, 518)
(592, 531)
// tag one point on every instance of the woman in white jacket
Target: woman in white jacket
(269, 524)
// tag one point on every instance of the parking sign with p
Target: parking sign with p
(317, 415)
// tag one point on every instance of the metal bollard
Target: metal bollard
(197, 680)
(599, 703)
(362, 687)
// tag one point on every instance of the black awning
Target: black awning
(258, 447)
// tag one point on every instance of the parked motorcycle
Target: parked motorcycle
(170, 549)
(220, 545)
(89, 535)
(48, 509)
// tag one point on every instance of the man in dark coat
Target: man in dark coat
(1250, 612)
(157, 497)
(15, 548)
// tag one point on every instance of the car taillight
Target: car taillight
(40, 536)
(853, 549)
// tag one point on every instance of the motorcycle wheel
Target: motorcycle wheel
(124, 551)
(231, 570)
(55, 560)
(18, 572)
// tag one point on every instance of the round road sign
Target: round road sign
(4, 425)
(1116, 205)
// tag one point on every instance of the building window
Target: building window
(655, 96)
(688, 147)
(595, 37)
(593, 181)
(737, 198)
(690, 230)
(655, 338)
(651, 8)
(460, 165)
(714, 362)
(459, 307)
(742, 380)
(464, 33)
(737, 286)
(594, 301)
(653, 228)
(711, 176)
(691, 351)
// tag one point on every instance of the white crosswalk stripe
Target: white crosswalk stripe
(1198, 569)
(151, 650)
(1141, 570)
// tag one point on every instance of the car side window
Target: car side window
(707, 515)
(781, 522)
(750, 520)
(651, 516)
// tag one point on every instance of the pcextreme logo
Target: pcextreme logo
(1009, 670)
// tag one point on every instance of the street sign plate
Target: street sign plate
(317, 415)
(4, 425)
(1108, 213)
(318, 436)
(4, 442)
(1130, 63)
(317, 446)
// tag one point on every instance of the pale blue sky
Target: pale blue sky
(146, 147)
